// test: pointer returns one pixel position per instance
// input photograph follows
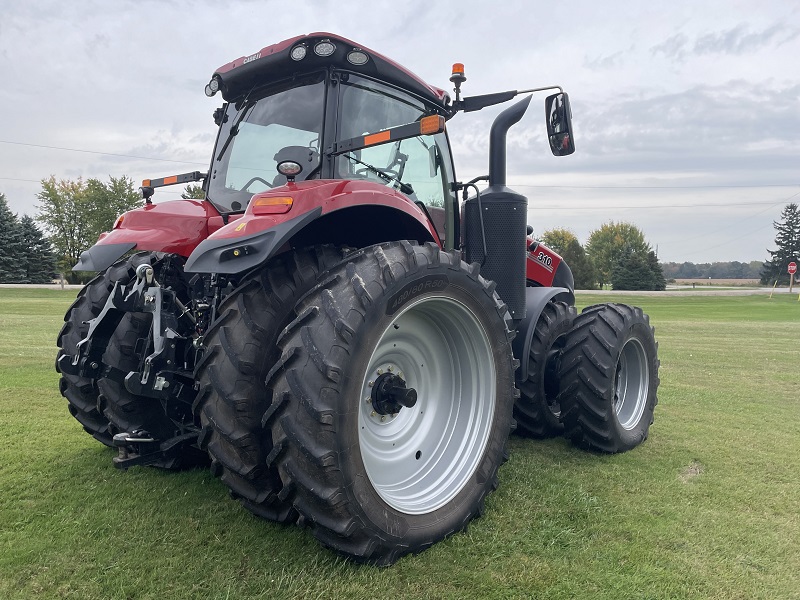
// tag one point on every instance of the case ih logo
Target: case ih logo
(251, 58)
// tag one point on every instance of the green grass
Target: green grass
(706, 508)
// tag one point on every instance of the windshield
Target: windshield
(366, 106)
(257, 134)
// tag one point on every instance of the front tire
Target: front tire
(609, 378)
(375, 480)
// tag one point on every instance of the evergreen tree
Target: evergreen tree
(569, 248)
(37, 258)
(631, 271)
(11, 245)
(788, 242)
(656, 272)
(581, 266)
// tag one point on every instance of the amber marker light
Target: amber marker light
(431, 124)
(273, 205)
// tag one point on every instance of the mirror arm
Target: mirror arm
(473, 103)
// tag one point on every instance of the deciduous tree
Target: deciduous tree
(193, 191)
(606, 245)
(75, 213)
(558, 239)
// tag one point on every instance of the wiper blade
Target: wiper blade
(235, 128)
(404, 187)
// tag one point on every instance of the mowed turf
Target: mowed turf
(707, 507)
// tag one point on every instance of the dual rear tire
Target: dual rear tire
(373, 478)
(591, 377)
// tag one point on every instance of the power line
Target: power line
(16, 179)
(650, 206)
(653, 187)
(535, 186)
(183, 162)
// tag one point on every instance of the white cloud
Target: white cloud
(685, 93)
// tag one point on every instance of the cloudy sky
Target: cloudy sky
(686, 114)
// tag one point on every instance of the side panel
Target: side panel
(542, 264)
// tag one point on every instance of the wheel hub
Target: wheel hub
(390, 394)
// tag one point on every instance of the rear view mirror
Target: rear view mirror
(559, 124)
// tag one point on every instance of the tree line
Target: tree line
(714, 270)
(615, 254)
(73, 213)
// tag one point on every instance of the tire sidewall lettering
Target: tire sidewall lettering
(414, 289)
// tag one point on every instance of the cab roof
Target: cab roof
(275, 62)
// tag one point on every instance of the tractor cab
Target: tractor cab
(322, 108)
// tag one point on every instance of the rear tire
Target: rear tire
(81, 392)
(375, 485)
(240, 349)
(537, 410)
(609, 378)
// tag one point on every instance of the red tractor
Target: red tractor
(347, 342)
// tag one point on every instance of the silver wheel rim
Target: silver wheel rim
(632, 384)
(418, 459)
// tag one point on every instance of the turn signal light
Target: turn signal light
(431, 124)
(272, 205)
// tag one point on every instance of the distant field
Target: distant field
(706, 508)
(706, 281)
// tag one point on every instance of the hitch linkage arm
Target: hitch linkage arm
(88, 362)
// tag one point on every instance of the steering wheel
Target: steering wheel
(252, 181)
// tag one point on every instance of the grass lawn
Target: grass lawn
(708, 507)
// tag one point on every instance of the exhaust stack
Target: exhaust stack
(499, 216)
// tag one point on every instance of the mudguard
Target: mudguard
(236, 255)
(101, 256)
(535, 300)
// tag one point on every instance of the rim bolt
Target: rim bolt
(394, 415)
(368, 400)
(371, 383)
(380, 371)
(390, 369)
(383, 418)
(372, 414)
